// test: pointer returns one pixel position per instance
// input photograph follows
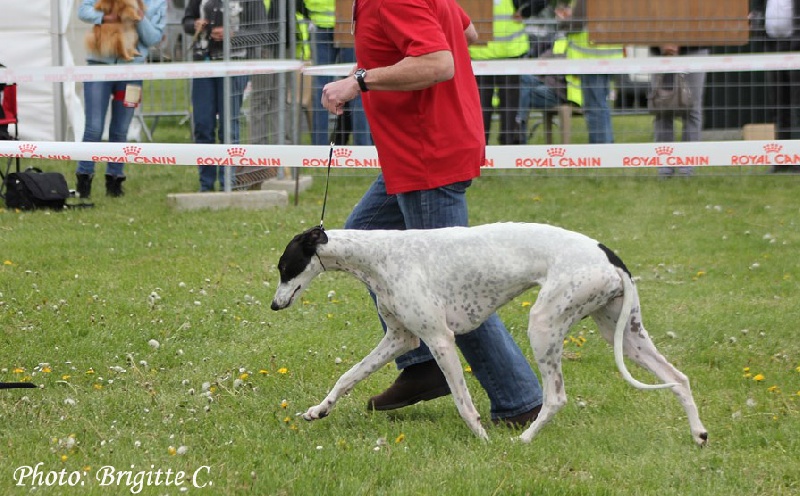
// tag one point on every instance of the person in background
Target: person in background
(415, 77)
(509, 41)
(692, 119)
(548, 91)
(322, 14)
(782, 30)
(123, 96)
(204, 20)
(595, 87)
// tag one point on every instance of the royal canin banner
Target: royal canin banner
(629, 155)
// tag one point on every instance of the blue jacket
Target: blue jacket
(150, 29)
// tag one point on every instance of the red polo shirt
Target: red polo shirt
(426, 138)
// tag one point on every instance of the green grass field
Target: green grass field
(86, 295)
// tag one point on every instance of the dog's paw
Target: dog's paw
(315, 413)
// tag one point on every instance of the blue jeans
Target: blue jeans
(97, 95)
(495, 358)
(594, 88)
(533, 94)
(208, 110)
(326, 53)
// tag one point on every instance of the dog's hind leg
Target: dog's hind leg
(444, 352)
(393, 344)
(547, 329)
(640, 348)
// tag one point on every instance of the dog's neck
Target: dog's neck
(354, 252)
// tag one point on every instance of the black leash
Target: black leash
(336, 131)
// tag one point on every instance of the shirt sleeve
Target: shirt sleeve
(413, 27)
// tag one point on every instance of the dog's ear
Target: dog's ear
(312, 238)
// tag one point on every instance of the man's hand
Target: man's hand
(337, 93)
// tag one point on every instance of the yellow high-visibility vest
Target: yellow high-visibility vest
(509, 39)
(322, 12)
(574, 93)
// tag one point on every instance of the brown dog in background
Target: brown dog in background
(116, 39)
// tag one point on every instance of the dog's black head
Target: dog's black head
(298, 266)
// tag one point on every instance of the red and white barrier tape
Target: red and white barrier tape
(188, 70)
(629, 155)
(644, 65)
(134, 72)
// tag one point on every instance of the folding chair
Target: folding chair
(10, 111)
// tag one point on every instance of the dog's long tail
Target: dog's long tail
(622, 323)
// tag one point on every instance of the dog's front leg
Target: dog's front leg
(393, 344)
(444, 352)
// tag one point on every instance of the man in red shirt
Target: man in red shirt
(420, 95)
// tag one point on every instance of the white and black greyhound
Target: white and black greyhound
(435, 284)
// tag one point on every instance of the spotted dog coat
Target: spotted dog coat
(435, 284)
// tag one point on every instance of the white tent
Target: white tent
(44, 33)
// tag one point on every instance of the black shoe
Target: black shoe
(84, 185)
(114, 186)
(419, 382)
(521, 420)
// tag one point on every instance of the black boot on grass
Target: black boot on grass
(84, 186)
(114, 185)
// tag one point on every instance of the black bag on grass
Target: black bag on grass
(32, 189)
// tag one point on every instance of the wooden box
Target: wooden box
(681, 22)
(480, 11)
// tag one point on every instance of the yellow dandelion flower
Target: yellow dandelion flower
(400, 438)
(293, 427)
(65, 377)
(171, 450)
(526, 303)
(468, 369)
(758, 377)
(287, 420)
(748, 375)
(284, 404)
(97, 386)
(537, 198)
(747, 369)
(19, 370)
(87, 468)
(774, 389)
(46, 370)
(701, 273)
(283, 370)
(263, 372)
(244, 376)
(63, 458)
(90, 371)
(8, 262)
(798, 368)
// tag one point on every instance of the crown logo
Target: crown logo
(236, 151)
(132, 150)
(773, 148)
(342, 152)
(27, 148)
(664, 150)
(556, 152)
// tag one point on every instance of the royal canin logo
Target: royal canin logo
(132, 150)
(556, 152)
(664, 150)
(773, 148)
(236, 151)
(342, 152)
(27, 148)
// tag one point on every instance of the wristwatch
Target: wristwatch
(360, 74)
